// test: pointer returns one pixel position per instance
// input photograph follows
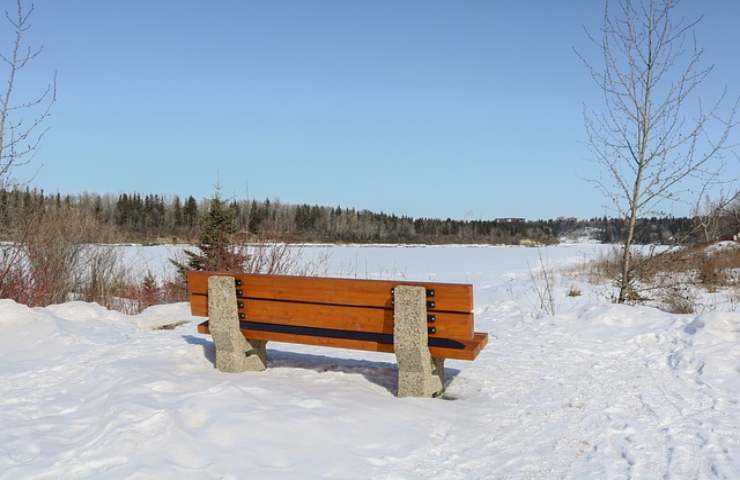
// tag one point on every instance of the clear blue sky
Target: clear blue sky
(427, 108)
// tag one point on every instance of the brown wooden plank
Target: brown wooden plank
(479, 342)
(470, 352)
(355, 319)
(451, 297)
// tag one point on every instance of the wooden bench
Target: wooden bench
(422, 322)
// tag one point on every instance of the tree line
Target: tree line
(137, 217)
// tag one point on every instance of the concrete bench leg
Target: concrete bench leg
(234, 353)
(419, 375)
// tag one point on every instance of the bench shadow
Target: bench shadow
(384, 374)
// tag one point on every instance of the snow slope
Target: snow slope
(596, 391)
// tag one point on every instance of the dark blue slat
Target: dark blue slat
(384, 338)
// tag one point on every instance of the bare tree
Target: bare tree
(713, 217)
(21, 122)
(732, 211)
(652, 144)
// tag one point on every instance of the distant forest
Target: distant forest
(135, 217)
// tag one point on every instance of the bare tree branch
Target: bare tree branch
(19, 139)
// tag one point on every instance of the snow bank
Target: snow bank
(12, 314)
(724, 326)
(723, 245)
(626, 317)
(163, 316)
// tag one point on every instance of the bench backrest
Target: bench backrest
(352, 305)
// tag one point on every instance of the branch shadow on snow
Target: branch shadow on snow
(384, 374)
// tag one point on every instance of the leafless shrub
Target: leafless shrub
(12, 274)
(271, 258)
(678, 300)
(37, 265)
(574, 291)
(715, 218)
(53, 260)
(542, 284)
(103, 276)
(276, 258)
(735, 298)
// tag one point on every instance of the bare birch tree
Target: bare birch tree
(713, 217)
(653, 137)
(21, 120)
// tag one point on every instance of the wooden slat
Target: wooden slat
(449, 297)
(356, 319)
(470, 351)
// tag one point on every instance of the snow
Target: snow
(596, 391)
(723, 245)
(379, 261)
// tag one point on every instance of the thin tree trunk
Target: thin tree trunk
(625, 286)
(625, 282)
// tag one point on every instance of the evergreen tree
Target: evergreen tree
(150, 291)
(255, 218)
(177, 212)
(216, 247)
(190, 212)
(122, 209)
(98, 208)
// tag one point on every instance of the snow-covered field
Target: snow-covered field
(596, 391)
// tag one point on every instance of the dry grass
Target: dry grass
(720, 268)
(711, 268)
(543, 285)
(668, 277)
(604, 269)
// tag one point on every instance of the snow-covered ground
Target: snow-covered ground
(596, 391)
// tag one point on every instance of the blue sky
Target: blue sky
(467, 109)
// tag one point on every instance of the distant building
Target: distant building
(511, 220)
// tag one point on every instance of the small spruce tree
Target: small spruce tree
(216, 249)
(150, 291)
